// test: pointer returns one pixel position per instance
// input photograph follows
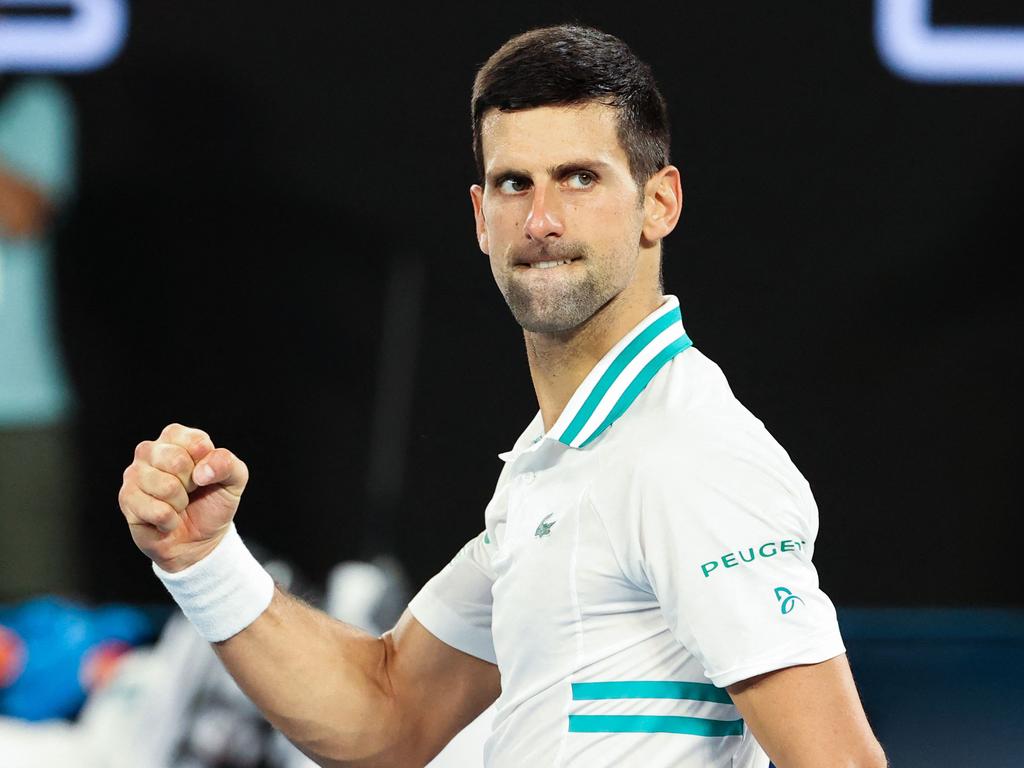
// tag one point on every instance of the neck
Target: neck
(559, 362)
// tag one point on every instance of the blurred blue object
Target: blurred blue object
(54, 652)
(941, 686)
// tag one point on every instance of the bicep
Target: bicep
(438, 689)
(808, 715)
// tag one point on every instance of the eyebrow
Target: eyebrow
(555, 171)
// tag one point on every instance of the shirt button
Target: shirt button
(528, 477)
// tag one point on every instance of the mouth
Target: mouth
(531, 265)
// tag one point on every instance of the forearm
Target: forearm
(344, 697)
(320, 682)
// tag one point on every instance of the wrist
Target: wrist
(222, 593)
(194, 555)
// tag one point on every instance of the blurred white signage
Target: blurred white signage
(913, 48)
(65, 36)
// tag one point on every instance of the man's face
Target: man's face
(559, 214)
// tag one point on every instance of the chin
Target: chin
(560, 316)
(547, 325)
(559, 309)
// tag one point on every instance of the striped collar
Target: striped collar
(619, 377)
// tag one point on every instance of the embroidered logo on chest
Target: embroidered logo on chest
(544, 529)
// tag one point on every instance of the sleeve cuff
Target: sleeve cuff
(819, 647)
(451, 629)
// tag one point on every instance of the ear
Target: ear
(476, 193)
(663, 202)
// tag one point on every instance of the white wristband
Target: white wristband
(224, 592)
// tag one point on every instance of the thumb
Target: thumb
(221, 467)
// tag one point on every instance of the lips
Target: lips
(548, 264)
(546, 260)
(529, 258)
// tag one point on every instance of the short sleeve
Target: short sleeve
(455, 605)
(724, 540)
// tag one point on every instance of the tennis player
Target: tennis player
(642, 593)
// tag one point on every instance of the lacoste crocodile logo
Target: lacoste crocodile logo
(544, 528)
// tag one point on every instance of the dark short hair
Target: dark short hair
(571, 64)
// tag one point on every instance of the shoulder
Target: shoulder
(693, 447)
(690, 420)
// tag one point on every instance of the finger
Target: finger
(222, 467)
(195, 441)
(174, 460)
(162, 485)
(141, 508)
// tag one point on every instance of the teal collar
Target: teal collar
(621, 375)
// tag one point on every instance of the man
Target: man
(646, 535)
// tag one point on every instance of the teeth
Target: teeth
(549, 264)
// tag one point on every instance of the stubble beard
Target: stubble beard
(566, 304)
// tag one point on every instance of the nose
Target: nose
(545, 218)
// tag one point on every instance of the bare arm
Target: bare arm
(809, 717)
(344, 697)
(347, 698)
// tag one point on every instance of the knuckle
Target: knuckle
(172, 458)
(198, 439)
(142, 449)
(157, 513)
(179, 461)
(172, 429)
(167, 486)
(164, 514)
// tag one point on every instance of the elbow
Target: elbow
(870, 756)
(371, 739)
(877, 758)
(865, 756)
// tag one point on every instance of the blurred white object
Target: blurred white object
(135, 721)
(140, 717)
(41, 745)
(914, 48)
(174, 706)
(354, 591)
(88, 38)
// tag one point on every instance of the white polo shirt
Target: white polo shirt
(649, 550)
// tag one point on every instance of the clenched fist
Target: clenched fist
(180, 495)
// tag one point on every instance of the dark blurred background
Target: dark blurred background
(269, 236)
(273, 240)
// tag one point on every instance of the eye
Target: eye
(581, 180)
(510, 185)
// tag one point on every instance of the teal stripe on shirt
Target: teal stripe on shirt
(624, 358)
(692, 726)
(650, 689)
(637, 385)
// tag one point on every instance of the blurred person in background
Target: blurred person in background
(606, 588)
(37, 469)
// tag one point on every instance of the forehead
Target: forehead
(545, 136)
